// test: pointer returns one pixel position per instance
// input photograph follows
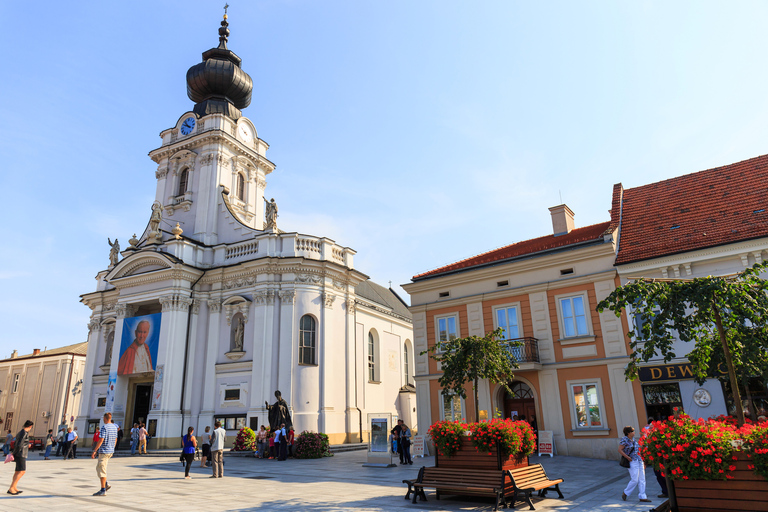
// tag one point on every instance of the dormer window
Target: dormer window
(183, 182)
(240, 187)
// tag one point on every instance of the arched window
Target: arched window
(307, 336)
(241, 187)
(183, 182)
(406, 366)
(373, 359)
(110, 343)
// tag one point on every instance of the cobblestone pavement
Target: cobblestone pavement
(330, 484)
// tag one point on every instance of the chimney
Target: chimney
(36, 352)
(15, 354)
(562, 219)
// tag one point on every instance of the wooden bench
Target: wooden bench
(529, 479)
(495, 483)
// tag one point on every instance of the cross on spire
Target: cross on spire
(226, 6)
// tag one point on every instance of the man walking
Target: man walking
(134, 438)
(217, 450)
(283, 443)
(59, 442)
(71, 444)
(105, 448)
(396, 433)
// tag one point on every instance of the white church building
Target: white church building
(213, 308)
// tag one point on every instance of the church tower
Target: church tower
(212, 161)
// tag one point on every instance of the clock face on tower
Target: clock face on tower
(188, 125)
(245, 132)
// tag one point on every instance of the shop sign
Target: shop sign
(679, 371)
(546, 443)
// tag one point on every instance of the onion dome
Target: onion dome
(218, 85)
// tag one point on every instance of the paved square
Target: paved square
(331, 484)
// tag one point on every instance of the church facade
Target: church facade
(214, 308)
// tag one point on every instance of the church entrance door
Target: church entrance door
(141, 403)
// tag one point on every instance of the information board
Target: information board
(419, 446)
(379, 435)
(546, 443)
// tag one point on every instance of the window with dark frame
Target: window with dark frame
(307, 337)
(101, 401)
(183, 182)
(240, 187)
(231, 394)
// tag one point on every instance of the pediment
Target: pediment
(139, 264)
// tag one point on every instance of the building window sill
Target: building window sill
(307, 364)
(374, 382)
(574, 340)
(590, 431)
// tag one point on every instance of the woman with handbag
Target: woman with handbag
(630, 459)
(405, 442)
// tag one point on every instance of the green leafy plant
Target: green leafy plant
(311, 445)
(245, 440)
(725, 317)
(756, 445)
(474, 358)
(447, 436)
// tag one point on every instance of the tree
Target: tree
(725, 317)
(473, 358)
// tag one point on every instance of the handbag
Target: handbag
(623, 462)
(9, 458)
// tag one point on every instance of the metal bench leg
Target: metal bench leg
(528, 500)
(557, 488)
(410, 490)
(437, 494)
(423, 496)
(498, 499)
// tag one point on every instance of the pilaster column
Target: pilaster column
(262, 346)
(286, 344)
(195, 310)
(170, 354)
(352, 416)
(94, 338)
(212, 347)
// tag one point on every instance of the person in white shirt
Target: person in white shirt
(71, 446)
(217, 450)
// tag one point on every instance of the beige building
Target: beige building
(44, 386)
(544, 292)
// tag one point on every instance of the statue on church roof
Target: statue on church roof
(272, 215)
(154, 222)
(279, 413)
(114, 252)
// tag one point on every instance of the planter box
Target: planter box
(747, 492)
(467, 457)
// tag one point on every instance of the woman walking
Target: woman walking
(190, 443)
(48, 444)
(261, 442)
(20, 450)
(630, 450)
(405, 442)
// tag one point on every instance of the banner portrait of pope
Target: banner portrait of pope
(138, 349)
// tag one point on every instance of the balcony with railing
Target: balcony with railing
(527, 353)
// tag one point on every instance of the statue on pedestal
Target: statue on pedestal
(154, 222)
(278, 413)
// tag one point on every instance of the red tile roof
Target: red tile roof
(714, 207)
(524, 248)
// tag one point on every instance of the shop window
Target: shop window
(573, 316)
(754, 397)
(452, 407)
(232, 422)
(586, 402)
(662, 400)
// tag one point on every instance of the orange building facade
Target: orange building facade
(571, 364)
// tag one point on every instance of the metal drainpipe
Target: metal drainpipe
(186, 354)
(69, 381)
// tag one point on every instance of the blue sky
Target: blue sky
(417, 133)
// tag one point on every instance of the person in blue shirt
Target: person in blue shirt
(105, 448)
(188, 453)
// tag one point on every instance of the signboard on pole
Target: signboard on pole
(546, 443)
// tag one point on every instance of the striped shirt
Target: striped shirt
(108, 432)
